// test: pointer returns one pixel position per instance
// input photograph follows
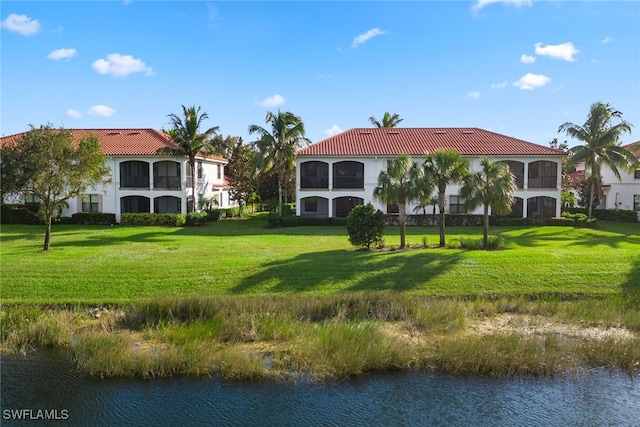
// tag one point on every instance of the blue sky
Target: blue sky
(517, 67)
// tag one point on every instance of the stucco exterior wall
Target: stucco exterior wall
(374, 165)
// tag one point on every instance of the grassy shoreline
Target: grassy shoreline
(285, 338)
(239, 300)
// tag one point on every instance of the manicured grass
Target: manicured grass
(119, 264)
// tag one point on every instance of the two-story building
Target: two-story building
(340, 172)
(143, 181)
(623, 193)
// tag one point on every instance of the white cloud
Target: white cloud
(526, 59)
(273, 101)
(121, 65)
(21, 24)
(333, 130)
(61, 54)
(482, 3)
(473, 95)
(607, 39)
(101, 111)
(501, 85)
(74, 114)
(531, 81)
(564, 51)
(366, 36)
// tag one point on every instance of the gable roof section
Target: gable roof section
(418, 141)
(634, 147)
(123, 142)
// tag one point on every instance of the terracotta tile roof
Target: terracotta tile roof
(122, 142)
(418, 141)
(634, 147)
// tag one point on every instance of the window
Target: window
(517, 169)
(311, 204)
(91, 203)
(348, 175)
(134, 174)
(134, 204)
(636, 175)
(543, 174)
(219, 172)
(392, 208)
(166, 175)
(199, 170)
(541, 207)
(456, 205)
(30, 199)
(314, 175)
(636, 202)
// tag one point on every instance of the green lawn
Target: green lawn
(92, 264)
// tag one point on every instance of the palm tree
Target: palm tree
(399, 184)
(185, 133)
(442, 168)
(388, 121)
(278, 147)
(493, 186)
(425, 200)
(601, 145)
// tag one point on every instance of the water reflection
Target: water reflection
(48, 381)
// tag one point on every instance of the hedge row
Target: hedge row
(93, 218)
(20, 214)
(296, 221)
(608, 214)
(147, 218)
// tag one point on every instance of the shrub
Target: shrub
(181, 220)
(273, 219)
(495, 242)
(196, 218)
(297, 221)
(609, 214)
(147, 218)
(214, 215)
(93, 218)
(365, 225)
(561, 221)
(578, 219)
(20, 214)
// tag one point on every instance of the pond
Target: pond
(45, 386)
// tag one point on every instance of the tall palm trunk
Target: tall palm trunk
(591, 195)
(192, 166)
(485, 223)
(279, 197)
(441, 201)
(402, 210)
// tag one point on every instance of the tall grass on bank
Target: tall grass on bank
(332, 336)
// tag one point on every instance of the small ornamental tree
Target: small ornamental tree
(365, 225)
(49, 164)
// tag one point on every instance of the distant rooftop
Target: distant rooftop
(418, 141)
(122, 142)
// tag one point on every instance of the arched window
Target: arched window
(134, 204)
(348, 175)
(134, 174)
(543, 174)
(541, 207)
(517, 169)
(167, 204)
(343, 205)
(166, 175)
(314, 175)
